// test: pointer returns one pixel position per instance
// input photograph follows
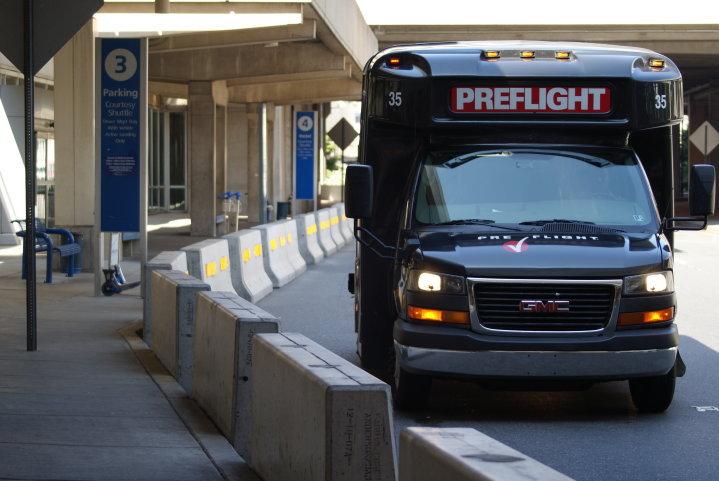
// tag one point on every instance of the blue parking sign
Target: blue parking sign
(120, 134)
(305, 147)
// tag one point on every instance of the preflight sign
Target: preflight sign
(120, 134)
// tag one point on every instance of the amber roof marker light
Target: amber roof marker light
(656, 63)
(394, 61)
(491, 54)
(562, 55)
(527, 54)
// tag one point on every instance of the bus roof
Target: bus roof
(584, 60)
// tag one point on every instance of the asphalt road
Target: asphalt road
(589, 435)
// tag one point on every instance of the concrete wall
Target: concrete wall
(316, 416)
(12, 150)
(463, 454)
(225, 326)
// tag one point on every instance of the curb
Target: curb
(223, 456)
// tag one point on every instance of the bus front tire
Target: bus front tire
(653, 394)
(410, 391)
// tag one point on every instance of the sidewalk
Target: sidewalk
(83, 407)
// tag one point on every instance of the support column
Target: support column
(253, 163)
(220, 159)
(237, 149)
(201, 150)
(75, 139)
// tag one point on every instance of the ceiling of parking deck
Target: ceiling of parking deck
(686, 31)
(695, 48)
(305, 50)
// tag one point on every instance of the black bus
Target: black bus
(514, 210)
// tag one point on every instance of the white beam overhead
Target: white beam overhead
(159, 24)
(205, 40)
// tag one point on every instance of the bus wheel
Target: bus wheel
(410, 391)
(653, 394)
(378, 359)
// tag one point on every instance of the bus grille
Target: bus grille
(505, 306)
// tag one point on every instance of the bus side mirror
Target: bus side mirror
(702, 190)
(358, 191)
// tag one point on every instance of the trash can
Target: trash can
(283, 210)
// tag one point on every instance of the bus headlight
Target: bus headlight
(433, 282)
(654, 283)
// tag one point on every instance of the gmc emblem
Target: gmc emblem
(543, 306)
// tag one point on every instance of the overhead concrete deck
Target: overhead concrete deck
(239, 88)
(695, 48)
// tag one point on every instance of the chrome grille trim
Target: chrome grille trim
(608, 328)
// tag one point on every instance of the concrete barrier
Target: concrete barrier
(209, 261)
(316, 416)
(225, 326)
(335, 227)
(292, 247)
(174, 295)
(165, 261)
(274, 256)
(308, 230)
(247, 268)
(463, 454)
(324, 233)
(346, 225)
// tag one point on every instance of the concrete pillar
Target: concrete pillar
(220, 158)
(201, 153)
(253, 163)
(75, 138)
(237, 149)
(281, 154)
(287, 145)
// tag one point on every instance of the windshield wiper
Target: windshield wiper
(487, 222)
(555, 221)
(544, 222)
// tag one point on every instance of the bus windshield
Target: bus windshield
(535, 186)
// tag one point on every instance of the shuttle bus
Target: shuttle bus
(514, 211)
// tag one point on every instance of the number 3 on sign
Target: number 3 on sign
(395, 99)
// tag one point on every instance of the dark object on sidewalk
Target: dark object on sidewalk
(115, 282)
(283, 210)
(43, 243)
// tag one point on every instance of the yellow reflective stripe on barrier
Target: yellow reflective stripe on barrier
(246, 255)
(258, 250)
(324, 224)
(273, 244)
(334, 220)
(224, 263)
(283, 241)
(289, 238)
(211, 269)
(311, 229)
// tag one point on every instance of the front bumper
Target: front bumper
(589, 365)
(454, 352)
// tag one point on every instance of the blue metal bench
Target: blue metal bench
(43, 243)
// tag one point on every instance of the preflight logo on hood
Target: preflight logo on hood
(516, 245)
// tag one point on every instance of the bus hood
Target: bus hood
(536, 254)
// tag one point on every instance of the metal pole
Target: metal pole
(143, 161)
(342, 166)
(262, 147)
(29, 241)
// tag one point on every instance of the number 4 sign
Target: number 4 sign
(305, 154)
